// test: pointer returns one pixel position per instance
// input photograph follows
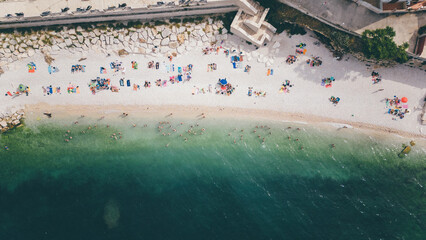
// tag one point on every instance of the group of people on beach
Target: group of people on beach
(78, 68)
(397, 107)
(49, 90)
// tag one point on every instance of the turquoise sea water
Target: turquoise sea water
(149, 186)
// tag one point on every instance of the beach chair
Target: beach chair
(121, 82)
(128, 82)
(180, 78)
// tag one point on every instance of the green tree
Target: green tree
(379, 44)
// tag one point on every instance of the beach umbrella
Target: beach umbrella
(404, 99)
(223, 87)
(21, 87)
(223, 81)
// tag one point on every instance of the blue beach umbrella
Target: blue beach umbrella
(223, 81)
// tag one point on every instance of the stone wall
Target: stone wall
(163, 39)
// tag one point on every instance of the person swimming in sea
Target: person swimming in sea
(6, 148)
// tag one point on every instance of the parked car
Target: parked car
(44, 14)
(20, 14)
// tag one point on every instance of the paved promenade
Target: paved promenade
(357, 18)
(36, 7)
(144, 14)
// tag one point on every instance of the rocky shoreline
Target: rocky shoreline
(10, 121)
(167, 38)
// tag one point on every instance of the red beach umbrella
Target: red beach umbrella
(404, 99)
(223, 87)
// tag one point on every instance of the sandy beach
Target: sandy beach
(362, 103)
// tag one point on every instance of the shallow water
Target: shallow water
(149, 186)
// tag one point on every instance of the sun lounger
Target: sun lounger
(128, 82)
(122, 82)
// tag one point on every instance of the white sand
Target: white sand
(353, 84)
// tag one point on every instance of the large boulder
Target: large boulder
(134, 37)
(173, 44)
(97, 32)
(166, 32)
(180, 38)
(165, 42)
(181, 29)
(156, 42)
(68, 42)
(80, 39)
(120, 37)
(31, 52)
